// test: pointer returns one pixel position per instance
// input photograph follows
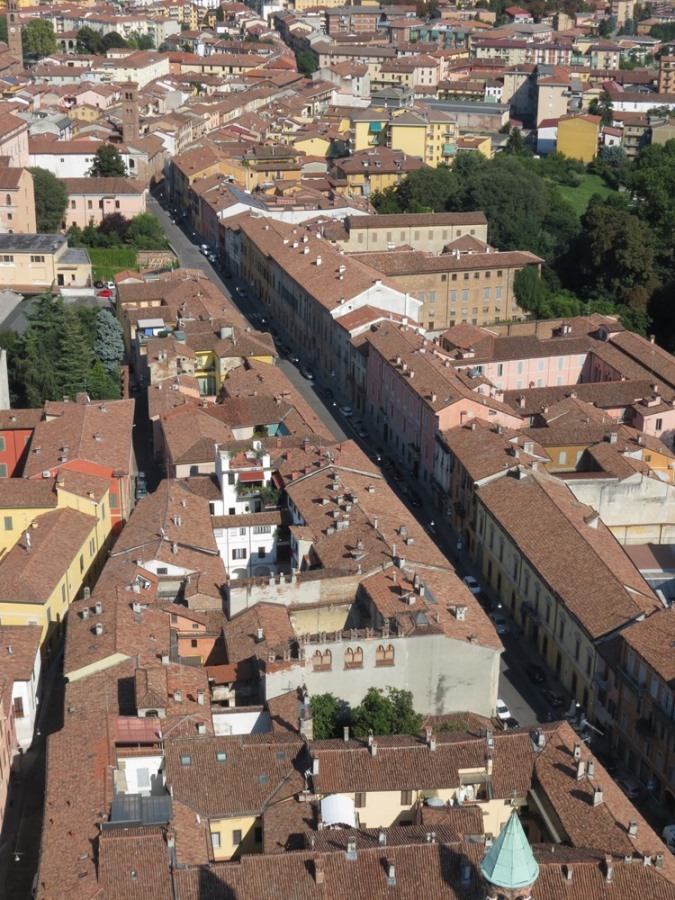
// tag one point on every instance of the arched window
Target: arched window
(384, 656)
(353, 658)
(322, 662)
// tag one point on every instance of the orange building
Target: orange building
(16, 429)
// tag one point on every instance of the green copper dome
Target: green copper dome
(510, 863)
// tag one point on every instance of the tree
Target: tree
(89, 41)
(220, 14)
(51, 200)
(3, 29)
(140, 41)
(515, 146)
(602, 106)
(325, 715)
(115, 224)
(146, 233)
(113, 39)
(73, 360)
(109, 346)
(616, 252)
(390, 713)
(38, 39)
(108, 163)
(529, 289)
(652, 183)
(306, 63)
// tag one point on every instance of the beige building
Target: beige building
(469, 283)
(33, 263)
(429, 232)
(17, 202)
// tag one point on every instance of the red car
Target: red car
(106, 292)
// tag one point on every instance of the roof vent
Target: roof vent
(98, 607)
(632, 827)
(391, 874)
(85, 613)
(351, 849)
(136, 606)
(98, 629)
(178, 696)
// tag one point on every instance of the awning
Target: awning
(338, 809)
(277, 481)
(248, 477)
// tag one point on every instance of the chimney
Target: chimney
(98, 629)
(260, 635)
(569, 874)
(632, 828)
(432, 742)
(373, 748)
(590, 768)
(351, 849)
(577, 750)
(658, 860)
(85, 612)
(609, 869)
(581, 769)
(391, 874)
(98, 607)
(597, 795)
(315, 765)
(178, 696)
(345, 733)
(319, 873)
(382, 837)
(165, 659)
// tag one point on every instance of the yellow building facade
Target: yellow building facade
(578, 137)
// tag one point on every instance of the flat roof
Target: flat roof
(29, 243)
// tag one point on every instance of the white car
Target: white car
(502, 711)
(472, 584)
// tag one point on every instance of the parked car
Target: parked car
(554, 698)
(510, 723)
(105, 292)
(535, 673)
(359, 429)
(141, 486)
(328, 394)
(346, 411)
(502, 711)
(110, 285)
(472, 584)
(306, 373)
(630, 787)
(500, 623)
(99, 284)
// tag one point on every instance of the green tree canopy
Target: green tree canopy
(326, 709)
(107, 163)
(602, 106)
(220, 14)
(515, 146)
(3, 29)
(38, 38)
(385, 713)
(89, 41)
(51, 200)
(529, 289)
(113, 39)
(306, 63)
(109, 346)
(145, 232)
(652, 181)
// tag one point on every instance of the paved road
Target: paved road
(522, 697)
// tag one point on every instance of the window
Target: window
(186, 760)
(236, 837)
(6, 258)
(421, 295)
(18, 708)
(486, 293)
(81, 562)
(242, 532)
(215, 840)
(8, 523)
(239, 553)
(360, 799)
(453, 296)
(262, 529)
(498, 293)
(90, 204)
(406, 798)
(193, 643)
(465, 298)
(113, 501)
(654, 687)
(500, 368)
(353, 658)
(262, 553)
(658, 424)
(562, 458)
(221, 756)
(37, 259)
(384, 656)
(91, 547)
(432, 297)
(143, 779)
(322, 662)
(72, 204)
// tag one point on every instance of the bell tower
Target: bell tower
(130, 112)
(14, 29)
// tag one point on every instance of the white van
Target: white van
(668, 835)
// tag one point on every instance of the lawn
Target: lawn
(106, 263)
(578, 197)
